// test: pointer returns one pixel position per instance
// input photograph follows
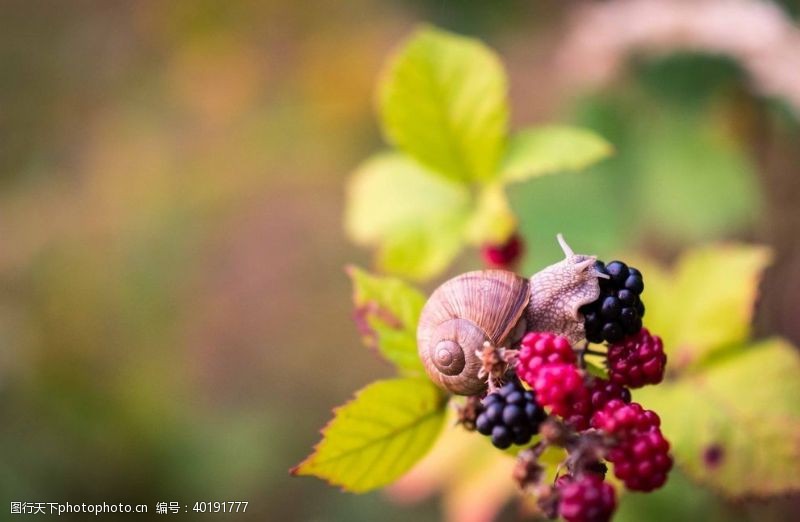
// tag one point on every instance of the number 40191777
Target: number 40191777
(220, 507)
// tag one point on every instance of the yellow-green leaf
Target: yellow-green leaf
(744, 408)
(422, 253)
(443, 101)
(706, 302)
(415, 218)
(545, 150)
(375, 438)
(387, 311)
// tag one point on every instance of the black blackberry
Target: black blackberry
(618, 311)
(510, 415)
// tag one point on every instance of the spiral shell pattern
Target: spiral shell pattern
(460, 316)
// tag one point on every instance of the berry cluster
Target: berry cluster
(640, 453)
(586, 498)
(592, 417)
(637, 360)
(627, 435)
(547, 363)
(599, 393)
(510, 415)
(619, 310)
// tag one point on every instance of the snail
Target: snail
(496, 308)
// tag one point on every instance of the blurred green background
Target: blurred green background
(175, 323)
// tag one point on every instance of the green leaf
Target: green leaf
(387, 311)
(492, 220)
(746, 405)
(422, 253)
(679, 499)
(694, 182)
(443, 101)
(415, 218)
(545, 150)
(377, 436)
(706, 303)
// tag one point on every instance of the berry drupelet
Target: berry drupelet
(510, 415)
(619, 309)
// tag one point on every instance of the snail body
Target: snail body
(498, 307)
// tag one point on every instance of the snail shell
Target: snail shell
(460, 316)
(500, 307)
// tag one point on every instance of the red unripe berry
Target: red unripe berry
(637, 360)
(559, 386)
(586, 499)
(503, 255)
(622, 420)
(642, 461)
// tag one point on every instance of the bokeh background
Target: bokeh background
(175, 322)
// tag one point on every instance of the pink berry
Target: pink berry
(637, 360)
(559, 386)
(642, 461)
(622, 420)
(586, 499)
(503, 255)
(540, 348)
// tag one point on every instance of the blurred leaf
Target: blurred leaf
(480, 496)
(575, 204)
(422, 253)
(679, 499)
(693, 181)
(706, 302)
(443, 101)
(746, 406)
(492, 221)
(473, 476)
(452, 453)
(416, 218)
(377, 436)
(387, 311)
(689, 79)
(546, 150)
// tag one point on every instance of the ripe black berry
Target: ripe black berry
(618, 310)
(510, 415)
